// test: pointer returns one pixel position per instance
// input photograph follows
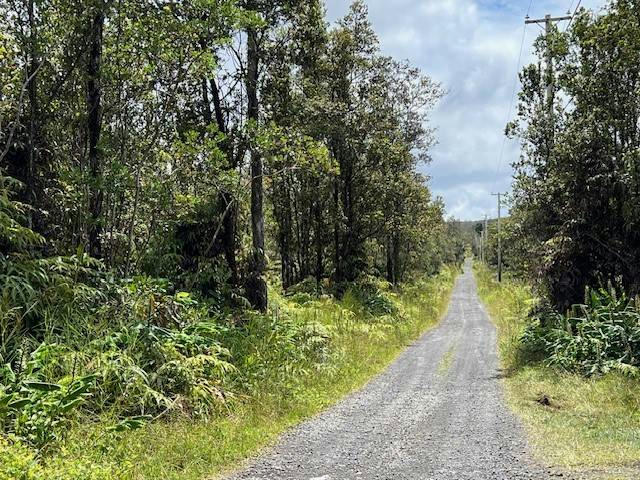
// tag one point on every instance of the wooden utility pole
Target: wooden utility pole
(548, 21)
(485, 233)
(499, 195)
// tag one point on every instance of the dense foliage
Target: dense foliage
(600, 335)
(198, 140)
(573, 226)
(166, 166)
(576, 202)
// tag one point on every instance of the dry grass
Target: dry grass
(591, 425)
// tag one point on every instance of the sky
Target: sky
(472, 47)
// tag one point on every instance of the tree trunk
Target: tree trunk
(317, 235)
(256, 286)
(206, 104)
(338, 275)
(32, 87)
(391, 268)
(225, 199)
(94, 127)
(350, 244)
(318, 241)
(397, 265)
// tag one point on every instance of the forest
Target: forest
(187, 189)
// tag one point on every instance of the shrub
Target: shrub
(143, 352)
(368, 292)
(301, 298)
(309, 286)
(146, 369)
(33, 409)
(20, 463)
(593, 338)
(275, 349)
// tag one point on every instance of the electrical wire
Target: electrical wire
(570, 6)
(574, 14)
(513, 94)
(529, 9)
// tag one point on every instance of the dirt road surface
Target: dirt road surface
(438, 412)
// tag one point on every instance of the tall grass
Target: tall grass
(508, 304)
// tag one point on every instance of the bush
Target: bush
(145, 369)
(309, 286)
(600, 335)
(276, 349)
(368, 292)
(142, 352)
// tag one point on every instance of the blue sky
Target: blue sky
(471, 47)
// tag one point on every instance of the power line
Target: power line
(529, 9)
(570, 6)
(513, 93)
(574, 14)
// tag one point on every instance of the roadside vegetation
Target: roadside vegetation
(569, 313)
(247, 380)
(212, 225)
(572, 379)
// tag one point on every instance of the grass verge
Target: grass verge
(362, 345)
(589, 425)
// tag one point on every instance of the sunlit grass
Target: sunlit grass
(183, 449)
(591, 424)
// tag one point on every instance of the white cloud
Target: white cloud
(472, 47)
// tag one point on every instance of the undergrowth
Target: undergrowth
(158, 384)
(598, 336)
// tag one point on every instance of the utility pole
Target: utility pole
(548, 20)
(485, 233)
(499, 195)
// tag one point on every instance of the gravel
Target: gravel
(438, 412)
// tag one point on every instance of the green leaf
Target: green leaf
(132, 423)
(18, 404)
(4, 400)
(70, 405)
(42, 386)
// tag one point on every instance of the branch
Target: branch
(232, 202)
(18, 110)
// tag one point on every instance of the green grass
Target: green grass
(447, 360)
(592, 424)
(180, 448)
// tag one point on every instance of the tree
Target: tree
(164, 137)
(576, 191)
(94, 124)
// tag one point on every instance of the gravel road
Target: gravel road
(437, 412)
